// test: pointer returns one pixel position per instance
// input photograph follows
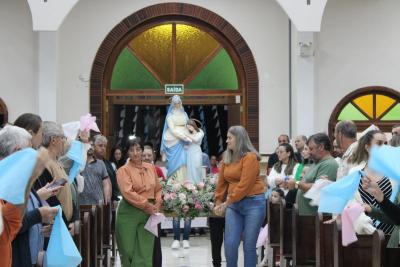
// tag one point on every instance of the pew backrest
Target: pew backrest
(366, 251)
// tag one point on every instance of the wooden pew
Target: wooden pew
(77, 234)
(99, 234)
(285, 235)
(324, 241)
(93, 233)
(113, 239)
(85, 239)
(390, 256)
(273, 218)
(107, 235)
(366, 252)
(303, 239)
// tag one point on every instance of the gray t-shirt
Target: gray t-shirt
(94, 173)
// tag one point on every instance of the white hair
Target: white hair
(13, 138)
(50, 130)
(99, 139)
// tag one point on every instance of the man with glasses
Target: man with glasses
(346, 140)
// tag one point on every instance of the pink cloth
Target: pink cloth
(88, 122)
(349, 216)
(153, 221)
(262, 237)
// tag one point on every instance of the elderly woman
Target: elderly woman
(54, 140)
(141, 192)
(240, 191)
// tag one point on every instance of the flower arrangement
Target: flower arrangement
(189, 200)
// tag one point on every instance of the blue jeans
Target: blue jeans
(176, 226)
(243, 219)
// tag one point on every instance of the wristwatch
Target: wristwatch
(297, 184)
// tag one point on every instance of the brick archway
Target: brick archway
(185, 12)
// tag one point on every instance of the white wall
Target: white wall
(18, 58)
(263, 24)
(358, 46)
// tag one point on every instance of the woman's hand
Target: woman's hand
(46, 230)
(372, 188)
(367, 208)
(219, 210)
(47, 191)
(150, 209)
(48, 213)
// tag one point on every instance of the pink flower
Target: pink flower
(173, 196)
(198, 206)
(185, 208)
(200, 185)
(167, 196)
(188, 185)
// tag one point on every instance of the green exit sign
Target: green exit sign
(174, 89)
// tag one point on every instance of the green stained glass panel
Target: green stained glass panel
(350, 112)
(129, 73)
(219, 73)
(393, 114)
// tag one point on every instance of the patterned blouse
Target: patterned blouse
(386, 187)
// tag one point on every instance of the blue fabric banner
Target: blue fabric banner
(335, 196)
(61, 251)
(15, 171)
(75, 153)
(385, 160)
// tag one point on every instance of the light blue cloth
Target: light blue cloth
(335, 196)
(15, 171)
(75, 153)
(61, 251)
(176, 155)
(385, 160)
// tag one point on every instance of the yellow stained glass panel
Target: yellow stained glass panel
(154, 48)
(192, 48)
(382, 104)
(366, 104)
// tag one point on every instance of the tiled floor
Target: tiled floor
(198, 255)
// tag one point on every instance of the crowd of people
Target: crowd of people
(130, 180)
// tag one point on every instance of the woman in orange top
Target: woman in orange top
(240, 194)
(141, 192)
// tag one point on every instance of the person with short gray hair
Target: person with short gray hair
(346, 139)
(13, 138)
(97, 187)
(54, 140)
(51, 130)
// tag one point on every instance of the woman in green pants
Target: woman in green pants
(141, 192)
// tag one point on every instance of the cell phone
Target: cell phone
(57, 183)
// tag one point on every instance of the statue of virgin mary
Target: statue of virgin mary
(174, 138)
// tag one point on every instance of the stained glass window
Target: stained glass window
(378, 108)
(174, 53)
